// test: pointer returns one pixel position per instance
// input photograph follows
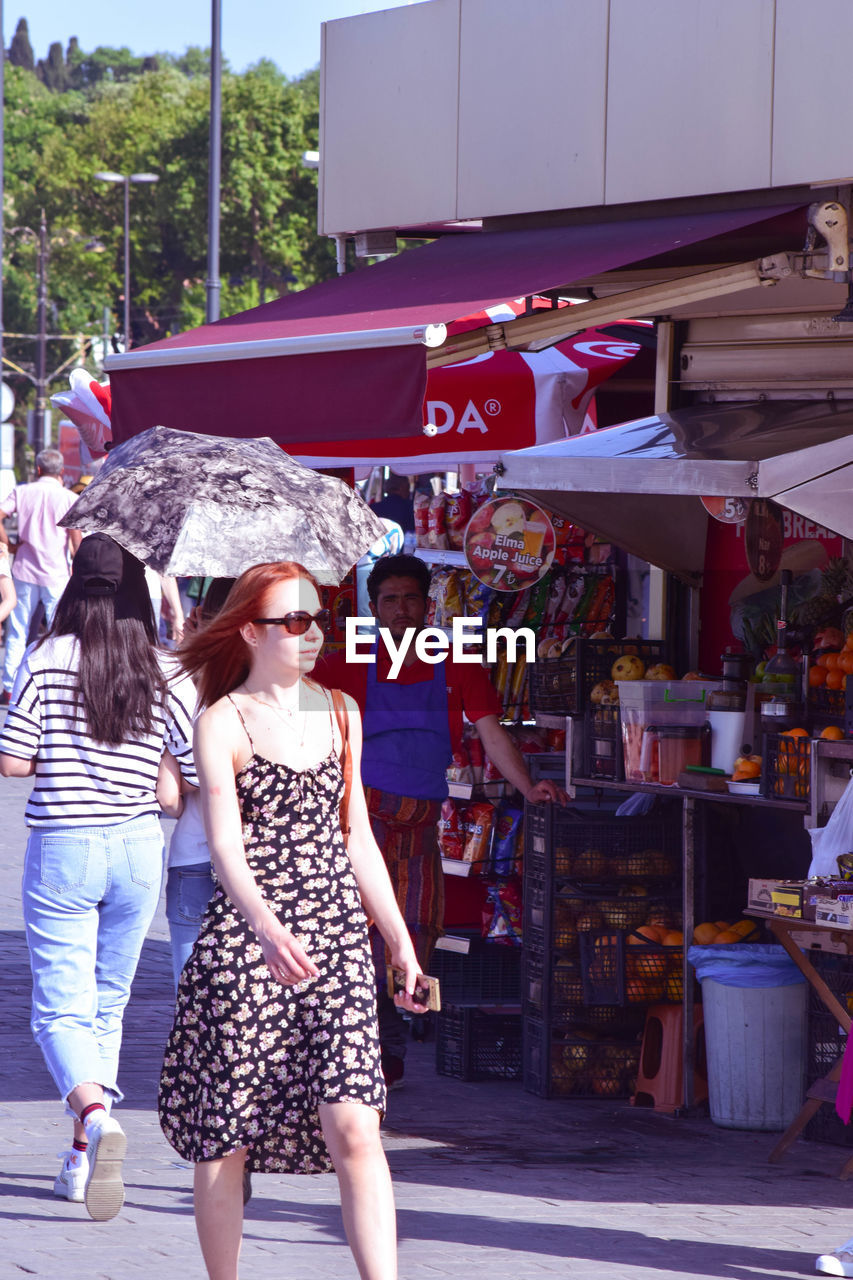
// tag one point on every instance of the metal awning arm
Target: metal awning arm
(544, 328)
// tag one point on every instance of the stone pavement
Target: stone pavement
(490, 1181)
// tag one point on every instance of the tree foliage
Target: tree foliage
(69, 116)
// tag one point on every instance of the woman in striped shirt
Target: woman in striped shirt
(93, 713)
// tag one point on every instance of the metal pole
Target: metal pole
(41, 330)
(127, 338)
(212, 284)
(107, 323)
(2, 193)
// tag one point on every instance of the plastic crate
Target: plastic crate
(490, 973)
(619, 968)
(478, 1044)
(603, 756)
(561, 686)
(786, 767)
(565, 1065)
(558, 842)
(827, 705)
(826, 1043)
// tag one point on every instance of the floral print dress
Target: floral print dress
(248, 1060)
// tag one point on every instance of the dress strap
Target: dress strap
(242, 721)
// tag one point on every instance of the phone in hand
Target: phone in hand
(427, 990)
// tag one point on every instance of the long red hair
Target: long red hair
(217, 656)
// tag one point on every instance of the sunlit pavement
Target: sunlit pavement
(490, 1181)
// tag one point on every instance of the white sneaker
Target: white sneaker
(104, 1194)
(71, 1180)
(837, 1263)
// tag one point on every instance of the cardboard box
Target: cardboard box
(759, 897)
(819, 940)
(788, 900)
(835, 911)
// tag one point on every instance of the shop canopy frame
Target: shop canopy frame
(348, 358)
(640, 484)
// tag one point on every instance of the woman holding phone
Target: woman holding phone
(273, 1063)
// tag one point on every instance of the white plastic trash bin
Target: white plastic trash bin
(755, 1035)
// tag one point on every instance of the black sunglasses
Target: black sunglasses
(296, 624)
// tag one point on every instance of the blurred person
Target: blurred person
(91, 719)
(40, 569)
(189, 876)
(397, 504)
(8, 597)
(411, 726)
(286, 1077)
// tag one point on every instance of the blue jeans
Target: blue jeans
(188, 891)
(18, 623)
(89, 895)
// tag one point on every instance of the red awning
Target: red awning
(347, 358)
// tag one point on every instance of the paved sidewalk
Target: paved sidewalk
(490, 1182)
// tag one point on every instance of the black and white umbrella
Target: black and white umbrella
(188, 504)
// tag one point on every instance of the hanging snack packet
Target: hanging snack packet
(436, 596)
(478, 823)
(450, 839)
(459, 769)
(458, 508)
(507, 828)
(421, 503)
(438, 523)
(505, 925)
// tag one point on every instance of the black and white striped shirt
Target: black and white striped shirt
(80, 782)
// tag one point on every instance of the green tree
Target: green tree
(20, 50)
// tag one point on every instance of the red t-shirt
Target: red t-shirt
(469, 688)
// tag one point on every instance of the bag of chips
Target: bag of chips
(450, 839)
(504, 850)
(438, 523)
(477, 823)
(421, 504)
(457, 509)
(503, 923)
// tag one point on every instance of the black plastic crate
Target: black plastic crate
(478, 1044)
(490, 973)
(785, 767)
(621, 968)
(568, 1064)
(826, 1043)
(603, 755)
(561, 686)
(558, 842)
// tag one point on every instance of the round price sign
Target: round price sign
(509, 544)
(727, 510)
(763, 538)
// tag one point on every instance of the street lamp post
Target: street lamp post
(107, 175)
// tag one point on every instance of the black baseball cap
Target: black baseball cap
(98, 565)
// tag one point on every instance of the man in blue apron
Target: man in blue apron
(411, 725)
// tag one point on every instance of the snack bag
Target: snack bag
(505, 922)
(458, 508)
(450, 840)
(421, 503)
(478, 823)
(438, 523)
(504, 850)
(436, 597)
(459, 769)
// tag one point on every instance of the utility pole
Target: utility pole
(41, 342)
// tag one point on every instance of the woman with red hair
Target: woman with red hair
(273, 1063)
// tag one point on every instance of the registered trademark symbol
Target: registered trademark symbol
(492, 407)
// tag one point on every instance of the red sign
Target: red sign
(764, 538)
(727, 510)
(509, 544)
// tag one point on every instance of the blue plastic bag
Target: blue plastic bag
(746, 964)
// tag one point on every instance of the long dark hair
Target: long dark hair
(217, 656)
(119, 680)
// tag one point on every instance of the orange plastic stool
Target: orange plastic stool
(660, 1078)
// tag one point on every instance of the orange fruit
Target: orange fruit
(835, 679)
(845, 662)
(833, 733)
(829, 660)
(705, 933)
(795, 733)
(728, 935)
(848, 643)
(645, 934)
(817, 676)
(675, 938)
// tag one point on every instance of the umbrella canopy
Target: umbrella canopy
(189, 504)
(639, 484)
(477, 409)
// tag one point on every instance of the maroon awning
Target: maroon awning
(347, 358)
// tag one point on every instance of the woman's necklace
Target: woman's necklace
(288, 717)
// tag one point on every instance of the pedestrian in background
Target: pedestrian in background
(91, 716)
(40, 570)
(273, 1061)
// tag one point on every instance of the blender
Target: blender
(784, 709)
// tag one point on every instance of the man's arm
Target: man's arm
(503, 753)
(75, 537)
(8, 595)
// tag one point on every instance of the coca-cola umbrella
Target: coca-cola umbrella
(188, 504)
(476, 410)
